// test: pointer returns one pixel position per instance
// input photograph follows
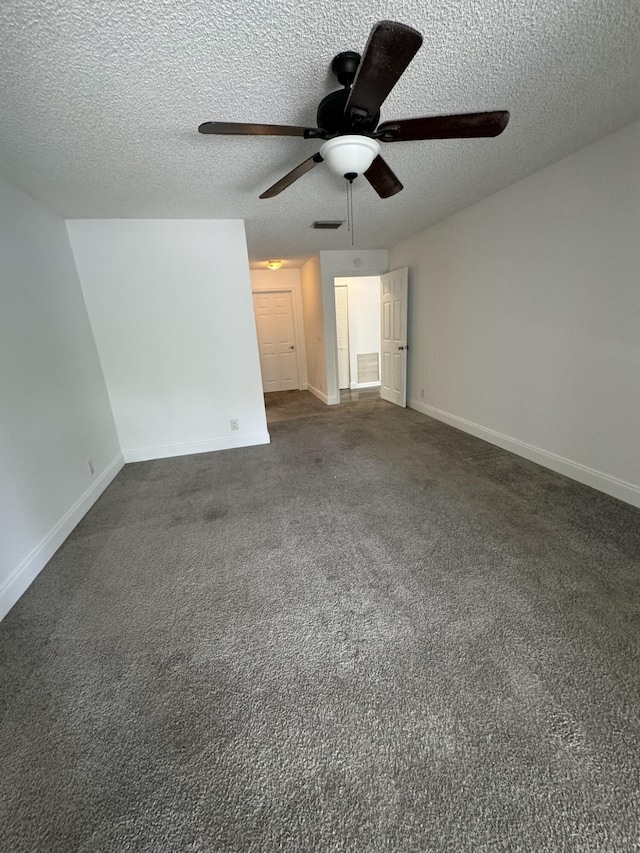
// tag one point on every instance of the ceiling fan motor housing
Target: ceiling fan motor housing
(331, 111)
(331, 116)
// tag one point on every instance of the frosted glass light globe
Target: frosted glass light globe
(349, 155)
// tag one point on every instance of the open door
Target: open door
(393, 321)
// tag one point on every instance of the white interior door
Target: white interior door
(393, 322)
(342, 334)
(276, 340)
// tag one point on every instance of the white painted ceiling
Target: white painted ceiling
(100, 101)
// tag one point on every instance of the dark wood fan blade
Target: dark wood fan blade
(239, 129)
(390, 49)
(292, 176)
(382, 178)
(462, 126)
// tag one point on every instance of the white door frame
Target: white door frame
(277, 342)
(348, 263)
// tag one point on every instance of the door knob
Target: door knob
(292, 347)
(400, 347)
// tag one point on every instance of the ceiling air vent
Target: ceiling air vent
(327, 224)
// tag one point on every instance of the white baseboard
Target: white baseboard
(319, 394)
(143, 454)
(21, 578)
(620, 489)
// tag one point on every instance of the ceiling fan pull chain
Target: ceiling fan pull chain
(350, 209)
(351, 205)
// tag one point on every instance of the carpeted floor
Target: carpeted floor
(375, 634)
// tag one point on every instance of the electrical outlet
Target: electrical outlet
(92, 470)
(234, 423)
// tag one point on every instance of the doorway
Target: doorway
(376, 317)
(358, 333)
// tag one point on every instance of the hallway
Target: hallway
(288, 405)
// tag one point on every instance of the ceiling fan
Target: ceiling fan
(348, 119)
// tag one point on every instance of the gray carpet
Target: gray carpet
(375, 634)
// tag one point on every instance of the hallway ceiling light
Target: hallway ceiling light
(274, 265)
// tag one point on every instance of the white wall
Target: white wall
(525, 316)
(171, 309)
(363, 305)
(288, 280)
(313, 314)
(332, 265)
(54, 409)
(282, 279)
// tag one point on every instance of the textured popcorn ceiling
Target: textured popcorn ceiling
(101, 99)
